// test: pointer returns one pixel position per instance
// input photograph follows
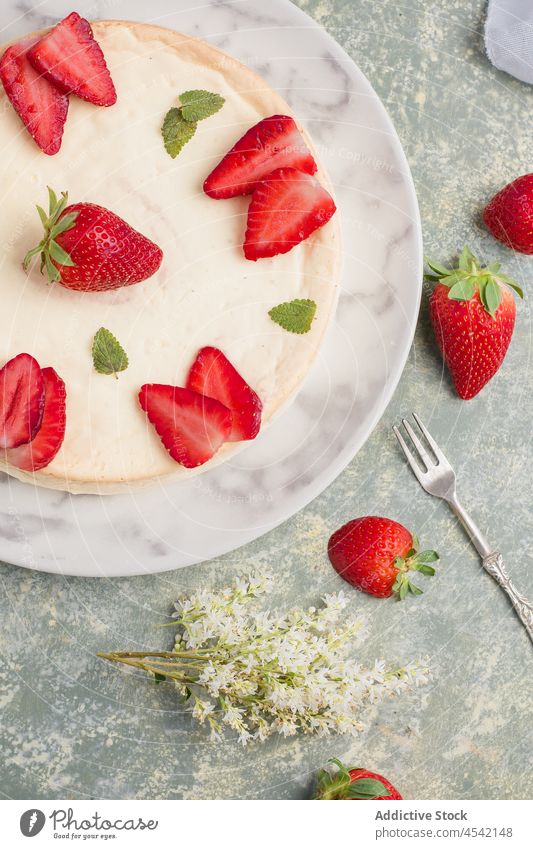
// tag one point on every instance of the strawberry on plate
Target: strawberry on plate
(22, 395)
(272, 143)
(213, 375)
(192, 427)
(353, 783)
(70, 57)
(509, 215)
(472, 311)
(44, 446)
(89, 248)
(40, 105)
(286, 207)
(376, 554)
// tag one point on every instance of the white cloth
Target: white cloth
(509, 37)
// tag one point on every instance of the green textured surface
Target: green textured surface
(74, 727)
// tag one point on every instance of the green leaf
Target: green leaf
(439, 269)
(176, 131)
(404, 589)
(413, 589)
(295, 316)
(425, 570)
(367, 788)
(428, 556)
(454, 277)
(158, 678)
(53, 273)
(491, 295)
(463, 290)
(493, 267)
(60, 256)
(43, 216)
(198, 104)
(109, 357)
(467, 260)
(416, 541)
(512, 283)
(66, 223)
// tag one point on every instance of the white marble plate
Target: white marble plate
(307, 446)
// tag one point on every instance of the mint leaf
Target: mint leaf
(109, 357)
(295, 316)
(176, 131)
(198, 104)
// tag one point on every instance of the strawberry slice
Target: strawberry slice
(285, 209)
(40, 105)
(43, 448)
(71, 58)
(274, 142)
(192, 428)
(21, 400)
(212, 374)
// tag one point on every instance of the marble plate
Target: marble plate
(308, 445)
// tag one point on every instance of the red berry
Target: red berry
(212, 374)
(22, 396)
(70, 58)
(44, 446)
(95, 250)
(192, 427)
(40, 105)
(472, 341)
(509, 215)
(273, 143)
(286, 207)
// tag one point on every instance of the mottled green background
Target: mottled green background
(74, 727)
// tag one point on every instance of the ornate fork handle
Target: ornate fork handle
(493, 564)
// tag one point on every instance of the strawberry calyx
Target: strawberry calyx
(340, 785)
(414, 561)
(48, 249)
(471, 276)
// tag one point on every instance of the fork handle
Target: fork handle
(493, 564)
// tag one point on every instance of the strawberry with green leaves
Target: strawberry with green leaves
(472, 310)
(354, 784)
(376, 554)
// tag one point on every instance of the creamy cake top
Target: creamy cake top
(205, 293)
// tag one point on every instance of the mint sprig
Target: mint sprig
(471, 276)
(295, 316)
(109, 357)
(179, 125)
(48, 248)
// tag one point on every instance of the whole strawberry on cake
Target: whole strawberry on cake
(171, 255)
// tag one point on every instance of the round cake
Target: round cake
(205, 293)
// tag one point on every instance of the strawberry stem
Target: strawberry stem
(48, 248)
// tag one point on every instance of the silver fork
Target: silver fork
(437, 477)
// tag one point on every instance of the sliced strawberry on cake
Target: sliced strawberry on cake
(213, 375)
(43, 448)
(22, 395)
(40, 105)
(70, 57)
(192, 427)
(286, 207)
(273, 143)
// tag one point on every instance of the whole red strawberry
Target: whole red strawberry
(353, 783)
(472, 311)
(375, 555)
(89, 248)
(509, 215)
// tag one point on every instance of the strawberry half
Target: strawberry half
(70, 57)
(40, 105)
(21, 400)
(273, 143)
(213, 375)
(192, 427)
(89, 248)
(43, 448)
(285, 209)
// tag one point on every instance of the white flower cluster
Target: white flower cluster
(260, 673)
